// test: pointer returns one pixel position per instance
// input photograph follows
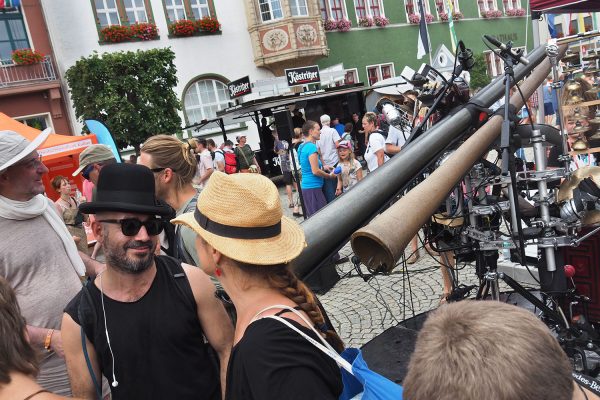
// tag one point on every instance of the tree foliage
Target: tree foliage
(479, 76)
(130, 92)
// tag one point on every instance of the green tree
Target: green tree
(479, 76)
(130, 92)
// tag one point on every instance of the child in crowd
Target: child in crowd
(351, 170)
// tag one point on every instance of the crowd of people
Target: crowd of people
(196, 266)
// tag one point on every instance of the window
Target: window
(486, 5)
(351, 76)
(135, 10)
(204, 98)
(200, 8)
(39, 121)
(376, 73)
(332, 9)
(107, 12)
(175, 10)
(559, 30)
(412, 7)
(368, 8)
(122, 12)
(511, 4)
(298, 8)
(442, 6)
(270, 10)
(587, 23)
(13, 35)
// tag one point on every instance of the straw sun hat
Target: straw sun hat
(240, 215)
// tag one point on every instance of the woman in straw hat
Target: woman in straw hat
(247, 244)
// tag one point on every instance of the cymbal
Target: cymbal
(572, 85)
(580, 128)
(565, 191)
(580, 145)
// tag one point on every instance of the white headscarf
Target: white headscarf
(41, 205)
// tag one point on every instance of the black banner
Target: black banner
(302, 76)
(240, 87)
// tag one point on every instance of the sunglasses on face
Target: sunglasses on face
(86, 171)
(131, 226)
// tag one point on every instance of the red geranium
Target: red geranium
(183, 27)
(26, 57)
(208, 24)
(144, 31)
(115, 33)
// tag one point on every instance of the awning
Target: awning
(564, 6)
(56, 146)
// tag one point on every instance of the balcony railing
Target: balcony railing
(17, 75)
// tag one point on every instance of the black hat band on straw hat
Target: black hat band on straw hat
(237, 232)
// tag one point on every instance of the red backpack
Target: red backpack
(230, 161)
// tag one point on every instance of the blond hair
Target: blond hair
(169, 152)
(476, 350)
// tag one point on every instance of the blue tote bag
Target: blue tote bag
(359, 381)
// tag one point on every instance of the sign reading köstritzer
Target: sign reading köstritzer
(303, 76)
(240, 87)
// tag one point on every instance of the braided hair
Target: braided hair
(280, 277)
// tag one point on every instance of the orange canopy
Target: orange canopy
(56, 146)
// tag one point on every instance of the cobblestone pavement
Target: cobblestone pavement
(362, 310)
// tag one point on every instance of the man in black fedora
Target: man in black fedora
(146, 317)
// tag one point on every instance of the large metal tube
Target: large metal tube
(381, 243)
(329, 229)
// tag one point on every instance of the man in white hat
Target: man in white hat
(327, 145)
(38, 256)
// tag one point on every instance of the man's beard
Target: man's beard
(117, 257)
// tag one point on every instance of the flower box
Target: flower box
(182, 28)
(344, 25)
(143, 31)
(491, 14)
(115, 34)
(457, 16)
(26, 57)
(330, 25)
(429, 18)
(366, 22)
(381, 21)
(414, 19)
(444, 16)
(208, 24)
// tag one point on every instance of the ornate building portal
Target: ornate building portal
(285, 33)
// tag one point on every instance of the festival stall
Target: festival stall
(60, 153)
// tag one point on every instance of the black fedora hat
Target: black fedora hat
(127, 188)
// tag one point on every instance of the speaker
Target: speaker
(285, 127)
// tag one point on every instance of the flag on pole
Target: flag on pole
(551, 26)
(453, 38)
(423, 39)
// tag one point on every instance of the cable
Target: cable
(114, 382)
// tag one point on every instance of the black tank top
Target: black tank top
(158, 342)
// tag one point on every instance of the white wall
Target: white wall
(73, 33)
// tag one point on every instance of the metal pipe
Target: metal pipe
(328, 230)
(381, 243)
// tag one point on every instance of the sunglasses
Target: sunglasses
(86, 171)
(131, 226)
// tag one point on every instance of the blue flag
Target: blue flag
(423, 39)
(551, 27)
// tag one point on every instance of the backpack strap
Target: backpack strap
(323, 345)
(86, 313)
(182, 252)
(179, 276)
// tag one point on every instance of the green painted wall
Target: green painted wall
(397, 42)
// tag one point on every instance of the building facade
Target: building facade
(379, 37)
(259, 40)
(30, 88)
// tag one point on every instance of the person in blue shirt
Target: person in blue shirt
(338, 126)
(312, 173)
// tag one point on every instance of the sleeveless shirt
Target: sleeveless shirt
(157, 341)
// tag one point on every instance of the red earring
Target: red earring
(218, 271)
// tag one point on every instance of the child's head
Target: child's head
(348, 127)
(345, 150)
